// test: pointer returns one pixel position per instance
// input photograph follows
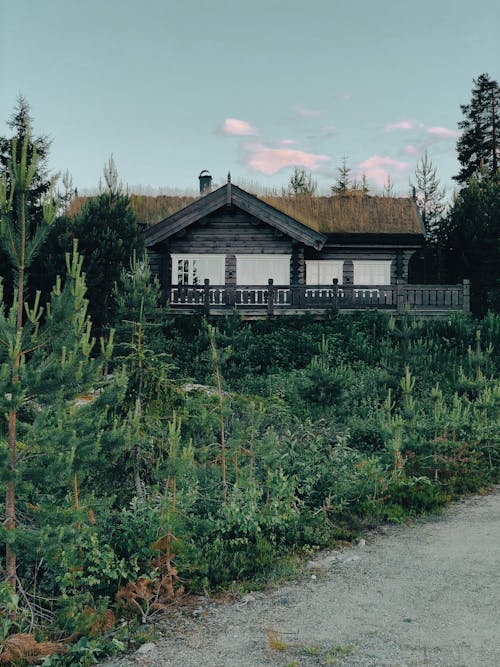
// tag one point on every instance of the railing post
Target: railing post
(400, 299)
(230, 296)
(270, 297)
(206, 295)
(348, 292)
(335, 294)
(466, 305)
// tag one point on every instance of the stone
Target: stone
(147, 649)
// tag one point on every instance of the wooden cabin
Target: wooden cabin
(268, 255)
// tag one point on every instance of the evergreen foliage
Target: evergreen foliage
(429, 194)
(108, 235)
(470, 241)
(479, 144)
(21, 125)
(343, 182)
(302, 183)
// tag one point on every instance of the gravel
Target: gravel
(421, 594)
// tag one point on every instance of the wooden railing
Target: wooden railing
(275, 298)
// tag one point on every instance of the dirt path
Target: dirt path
(425, 594)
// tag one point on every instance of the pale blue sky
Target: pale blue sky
(171, 88)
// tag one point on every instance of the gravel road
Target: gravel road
(423, 594)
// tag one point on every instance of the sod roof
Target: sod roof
(358, 214)
(353, 213)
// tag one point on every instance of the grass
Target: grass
(275, 642)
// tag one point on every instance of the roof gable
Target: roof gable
(227, 195)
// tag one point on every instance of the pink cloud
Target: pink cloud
(400, 125)
(443, 132)
(378, 167)
(270, 160)
(287, 142)
(234, 126)
(409, 149)
(303, 111)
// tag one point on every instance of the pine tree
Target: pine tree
(141, 348)
(429, 194)
(301, 182)
(479, 144)
(44, 352)
(21, 123)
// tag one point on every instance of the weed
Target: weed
(312, 650)
(343, 650)
(329, 659)
(275, 642)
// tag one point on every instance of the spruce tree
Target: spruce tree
(479, 145)
(108, 235)
(469, 238)
(343, 182)
(429, 194)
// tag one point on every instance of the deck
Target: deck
(257, 301)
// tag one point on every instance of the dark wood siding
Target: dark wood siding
(230, 230)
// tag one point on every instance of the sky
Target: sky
(169, 88)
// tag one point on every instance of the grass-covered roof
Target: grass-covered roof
(353, 212)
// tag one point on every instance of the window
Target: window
(323, 271)
(372, 272)
(193, 269)
(257, 269)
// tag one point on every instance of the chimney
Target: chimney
(205, 182)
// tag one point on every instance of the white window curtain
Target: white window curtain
(193, 269)
(372, 272)
(323, 271)
(257, 269)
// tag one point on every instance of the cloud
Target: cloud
(378, 167)
(409, 149)
(308, 113)
(287, 142)
(234, 126)
(400, 125)
(269, 161)
(443, 132)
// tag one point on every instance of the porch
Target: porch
(258, 301)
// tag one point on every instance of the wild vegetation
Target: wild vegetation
(177, 455)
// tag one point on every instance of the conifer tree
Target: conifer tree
(429, 194)
(301, 182)
(108, 234)
(141, 348)
(469, 237)
(21, 124)
(343, 182)
(44, 351)
(479, 145)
